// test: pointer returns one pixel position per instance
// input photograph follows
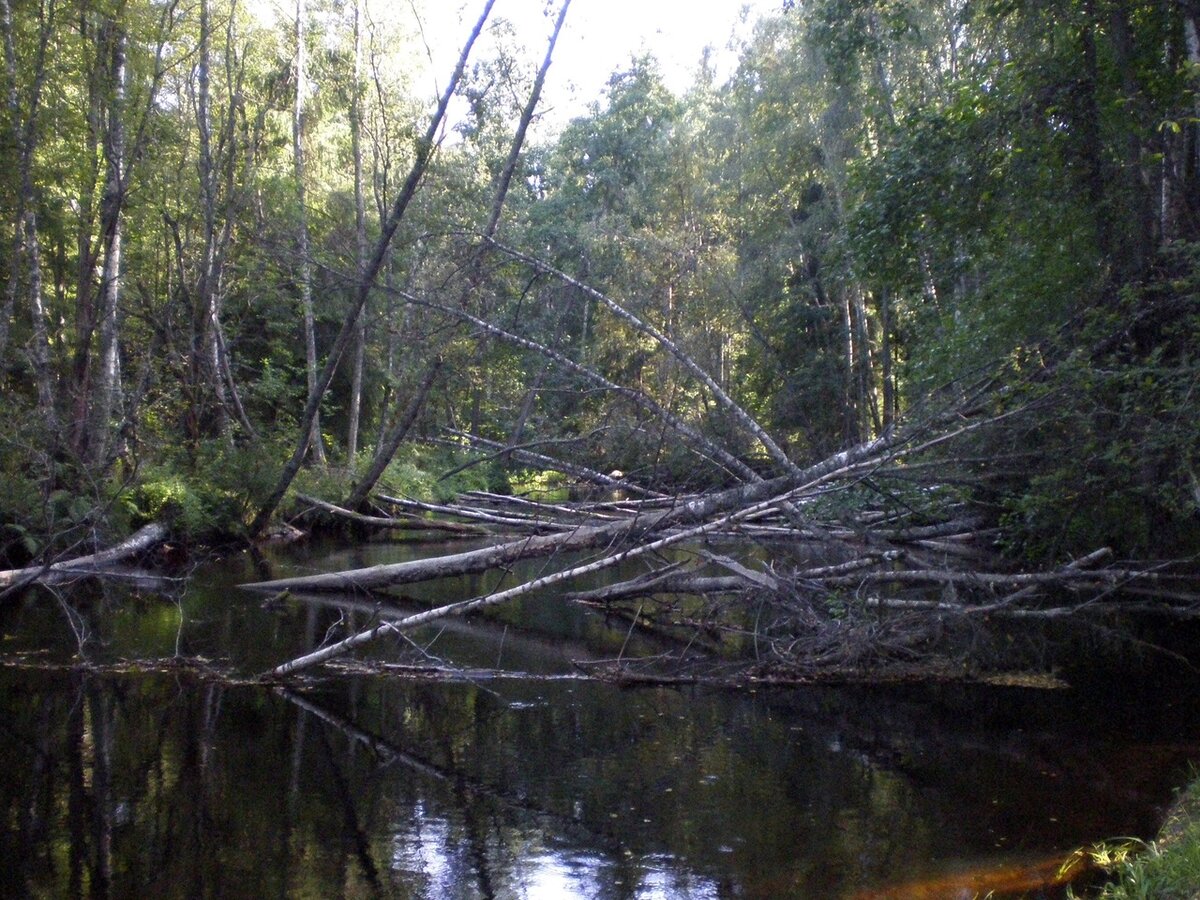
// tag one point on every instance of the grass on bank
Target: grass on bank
(1169, 867)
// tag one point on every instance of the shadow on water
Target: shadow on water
(159, 784)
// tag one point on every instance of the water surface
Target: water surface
(168, 784)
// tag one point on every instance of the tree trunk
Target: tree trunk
(1144, 237)
(303, 251)
(14, 108)
(25, 237)
(207, 293)
(698, 512)
(387, 448)
(108, 388)
(87, 252)
(1189, 189)
(139, 542)
(360, 237)
(40, 351)
(885, 352)
(424, 152)
(850, 417)
(1087, 119)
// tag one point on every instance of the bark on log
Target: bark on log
(93, 564)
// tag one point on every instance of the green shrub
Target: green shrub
(1117, 428)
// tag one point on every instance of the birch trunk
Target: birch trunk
(303, 250)
(208, 295)
(388, 449)
(360, 236)
(14, 108)
(108, 388)
(424, 152)
(25, 233)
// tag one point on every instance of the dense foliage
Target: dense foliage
(888, 200)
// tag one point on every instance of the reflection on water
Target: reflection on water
(169, 785)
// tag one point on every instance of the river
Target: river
(508, 775)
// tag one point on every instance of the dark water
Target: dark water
(153, 784)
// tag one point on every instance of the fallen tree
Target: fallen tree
(402, 522)
(888, 583)
(142, 540)
(745, 499)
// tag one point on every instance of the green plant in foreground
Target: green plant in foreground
(1165, 869)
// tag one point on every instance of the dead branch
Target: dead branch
(523, 454)
(739, 414)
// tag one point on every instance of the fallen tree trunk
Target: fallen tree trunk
(524, 523)
(540, 460)
(468, 562)
(93, 564)
(408, 523)
(746, 421)
(747, 499)
(463, 607)
(672, 583)
(541, 510)
(711, 450)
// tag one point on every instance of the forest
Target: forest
(917, 283)
(783, 486)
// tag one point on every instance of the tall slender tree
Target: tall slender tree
(316, 444)
(360, 234)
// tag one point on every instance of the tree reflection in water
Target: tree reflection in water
(177, 784)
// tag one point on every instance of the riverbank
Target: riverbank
(1169, 869)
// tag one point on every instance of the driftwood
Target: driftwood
(890, 578)
(140, 541)
(521, 522)
(405, 523)
(587, 537)
(733, 504)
